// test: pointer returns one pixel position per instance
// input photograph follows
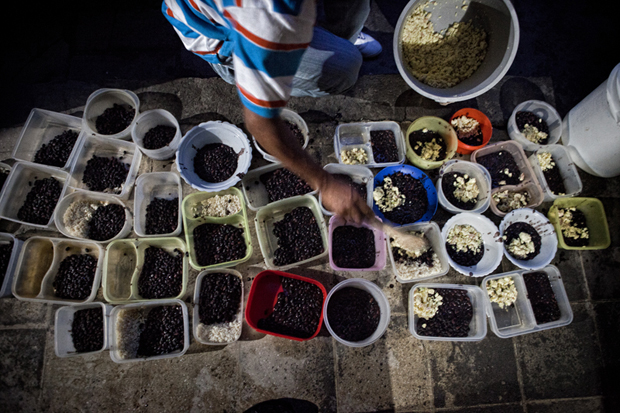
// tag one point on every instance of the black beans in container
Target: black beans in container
(415, 203)
(579, 221)
(502, 167)
(513, 232)
(217, 243)
(353, 314)
(107, 221)
(467, 258)
(5, 256)
(105, 174)
(353, 247)
(220, 298)
(87, 330)
(361, 188)
(162, 273)
(384, 147)
(282, 183)
(57, 151)
(215, 162)
(40, 201)
(114, 120)
(162, 216)
(452, 318)
(554, 180)
(164, 331)
(158, 136)
(447, 186)
(75, 276)
(541, 296)
(523, 118)
(299, 237)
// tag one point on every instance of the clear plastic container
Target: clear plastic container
(116, 336)
(433, 235)
(544, 111)
(102, 99)
(379, 297)
(492, 256)
(596, 220)
(568, 171)
(150, 119)
(94, 197)
(126, 152)
(266, 218)
(433, 124)
(41, 127)
(485, 127)
(166, 185)
(196, 324)
(38, 264)
(286, 115)
(478, 324)
(123, 265)
(473, 170)
(359, 174)
(63, 340)
(379, 237)
(5, 239)
(190, 222)
(519, 318)
(357, 135)
(18, 185)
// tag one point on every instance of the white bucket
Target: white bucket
(591, 130)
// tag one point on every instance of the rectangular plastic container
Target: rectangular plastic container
(5, 239)
(114, 336)
(38, 265)
(63, 340)
(196, 316)
(239, 220)
(519, 318)
(90, 146)
(478, 324)
(359, 174)
(568, 171)
(596, 220)
(41, 127)
(266, 218)
(379, 237)
(18, 185)
(166, 185)
(357, 135)
(123, 265)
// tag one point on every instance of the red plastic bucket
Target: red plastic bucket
(485, 127)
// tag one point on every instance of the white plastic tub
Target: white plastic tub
(286, 115)
(568, 171)
(379, 239)
(63, 340)
(359, 174)
(150, 119)
(102, 99)
(544, 111)
(473, 170)
(357, 135)
(5, 239)
(166, 185)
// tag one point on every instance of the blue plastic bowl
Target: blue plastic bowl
(431, 192)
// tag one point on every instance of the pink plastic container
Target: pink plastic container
(380, 245)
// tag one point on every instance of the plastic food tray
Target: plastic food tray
(596, 220)
(63, 340)
(568, 171)
(150, 119)
(166, 185)
(473, 170)
(286, 115)
(102, 99)
(357, 135)
(379, 237)
(440, 126)
(5, 238)
(544, 111)
(359, 174)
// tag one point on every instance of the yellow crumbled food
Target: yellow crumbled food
(464, 237)
(532, 134)
(465, 127)
(566, 224)
(355, 156)
(466, 189)
(507, 201)
(217, 206)
(426, 302)
(522, 245)
(545, 160)
(502, 291)
(388, 197)
(430, 150)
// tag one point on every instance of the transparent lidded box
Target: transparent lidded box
(166, 185)
(568, 171)
(63, 340)
(357, 135)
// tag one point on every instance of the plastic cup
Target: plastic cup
(286, 115)
(359, 174)
(433, 124)
(166, 185)
(544, 111)
(568, 171)
(485, 127)
(150, 119)
(102, 99)
(63, 341)
(379, 237)
(473, 170)
(6, 238)
(357, 135)
(596, 220)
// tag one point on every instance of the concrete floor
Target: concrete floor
(59, 61)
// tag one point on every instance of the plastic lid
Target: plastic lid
(613, 93)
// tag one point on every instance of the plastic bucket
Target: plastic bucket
(485, 127)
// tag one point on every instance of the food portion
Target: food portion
(533, 127)
(159, 136)
(282, 183)
(162, 273)
(354, 156)
(40, 201)
(428, 145)
(503, 168)
(443, 312)
(522, 241)
(218, 308)
(552, 174)
(162, 216)
(467, 130)
(115, 119)
(353, 314)
(82, 221)
(218, 243)
(502, 291)
(105, 174)
(215, 162)
(541, 296)
(464, 245)
(353, 247)
(299, 237)
(460, 189)
(384, 147)
(507, 201)
(401, 198)
(574, 227)
(217, 206)
(415, 264)
(57, 151)
(87, 330)
(75, 277)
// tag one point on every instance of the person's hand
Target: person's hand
(343, 200)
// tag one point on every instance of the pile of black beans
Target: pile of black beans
(384, 147)
(416, 199)
(162, 216)
(162, 273)
(105, 173)
(87, 330)
(282, 183)
(447, 186)
(220, 298)
(40, 201)
(467, 258)
(353, 247)
(75, 276)
(353, 314)
(107, 222)
(299, 237)
(217, 243)
(523, 118)
(497, 163)
(158, 136)
(215, 162)
(452, 318)
(5, 256)
(58, 150)
(297, 312)
(542, 297)
(114, 120)
(163, 331)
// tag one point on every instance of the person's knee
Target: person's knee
(341, 74)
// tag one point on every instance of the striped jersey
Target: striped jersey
(266, 39)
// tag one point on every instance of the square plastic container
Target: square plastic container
(359, 174)
(41, 127)
(379, 237)
(596, 220)
(38, 265)
(568, 171)
(290, 116)
(166, 185)
(90, 146)
(478, 324)
(239, 220)
(357, 135)
(519, 318)
(63, 340)
(197, 325)
(115, 335)
(433, 235)
(151, 119)
(102, 99)
(19, 183)
(5, 239)
(544, 111)
(123, 264)
(264, 295)
(254, 190)
(266, 218)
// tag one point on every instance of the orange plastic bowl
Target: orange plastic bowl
(485, 126)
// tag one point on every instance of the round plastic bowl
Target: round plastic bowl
(150, 119)
(544, 111)
(286, 115)
(102, 99)
(549, 240)
(492, 249)
(213, 132)
(431, 193)
(473, 170)
(377, 294)
(485, 127)
(433, 124)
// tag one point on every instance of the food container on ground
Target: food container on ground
(5, 239)
(485, 127)
(102, 99)
(568, 171)
(286, 115)
(478, 324)
(473, 170)
(519, 318)
(596, 220)
(38, 264)
(357, 135)
(544, 111)
(63, 340)
(379, 237)
(360, 175)
(150, 119)
(441, 127)
(166, 185)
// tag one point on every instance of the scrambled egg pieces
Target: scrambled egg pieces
(426, 302)
(389, 197)
(465, 238)
(502, 291)
(567, 227)
(355, 156)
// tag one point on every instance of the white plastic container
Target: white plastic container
(102, 99)
(166, 185)
(41, 127)
(478, 324)
(378, 237)
(568, 171)
(5, 238)
(63, 340)
(379, 297)
(359, 174)
(286, 115)
(357, 135)
(544, 111)
(591, 130)
(150, 119)
(473, 170)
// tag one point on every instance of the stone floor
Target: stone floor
(569, 369)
